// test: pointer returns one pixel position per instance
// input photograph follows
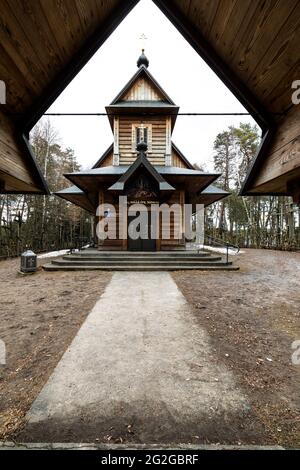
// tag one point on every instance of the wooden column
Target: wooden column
(199, 224)
(168, 155)
(116, 156)
(97, 218)
(181, 202)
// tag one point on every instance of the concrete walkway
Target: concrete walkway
(140, 369)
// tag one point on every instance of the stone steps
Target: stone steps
(139, 261)
(171, 267)
(144, 254)
(63, 262)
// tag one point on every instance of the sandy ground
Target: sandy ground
(252, 317)
(139, 370)
(40, 314)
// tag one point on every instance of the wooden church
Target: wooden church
(142, 164)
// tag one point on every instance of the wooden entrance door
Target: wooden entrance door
(141, 244)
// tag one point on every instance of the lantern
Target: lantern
(28, 262)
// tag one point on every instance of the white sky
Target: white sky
(174, 64)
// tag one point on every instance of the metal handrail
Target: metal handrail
(224, 244)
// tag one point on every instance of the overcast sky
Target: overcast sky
(174, 64)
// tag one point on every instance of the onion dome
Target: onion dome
(142, 60)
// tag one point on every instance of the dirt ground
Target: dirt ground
(252, 317)
(40, 314)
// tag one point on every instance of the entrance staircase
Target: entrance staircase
(91, 259)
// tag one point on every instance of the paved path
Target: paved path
(139, 369)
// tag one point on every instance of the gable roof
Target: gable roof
(104, 156)
(161, 105)
(141, 161)
(183, 158)
(142, 72)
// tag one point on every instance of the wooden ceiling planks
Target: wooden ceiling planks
(273, 66)
(251, 44)
(17, 96)
(219, 25)
(36, 34)
(43, 43)
(37, 39)
(202, 13)
(256, 38)
(226, 38)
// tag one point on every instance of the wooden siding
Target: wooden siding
(177, 160)
(142, 90)
(157, 156)
(176, 225)
(105, 197)
(283, 156)
(108, 161)
(14, 170)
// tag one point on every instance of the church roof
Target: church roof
(120, 169)
(144, 104)
(211, 194)
(78, 197)
(103, 157)
(141, 161)
(131, 100)
(90, 180)
(140, 73)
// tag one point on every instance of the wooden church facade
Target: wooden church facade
(144, 165)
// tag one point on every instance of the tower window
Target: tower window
(142, 132)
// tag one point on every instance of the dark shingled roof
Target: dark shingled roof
(211, 189)
(70, 190)
(163, 170)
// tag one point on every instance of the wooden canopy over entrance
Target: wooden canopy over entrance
(252, 45)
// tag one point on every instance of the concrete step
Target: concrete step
(148, 254)
(66, 262)
(138, 259)
(173, 267)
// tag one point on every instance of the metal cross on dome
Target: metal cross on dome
(142, 40)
